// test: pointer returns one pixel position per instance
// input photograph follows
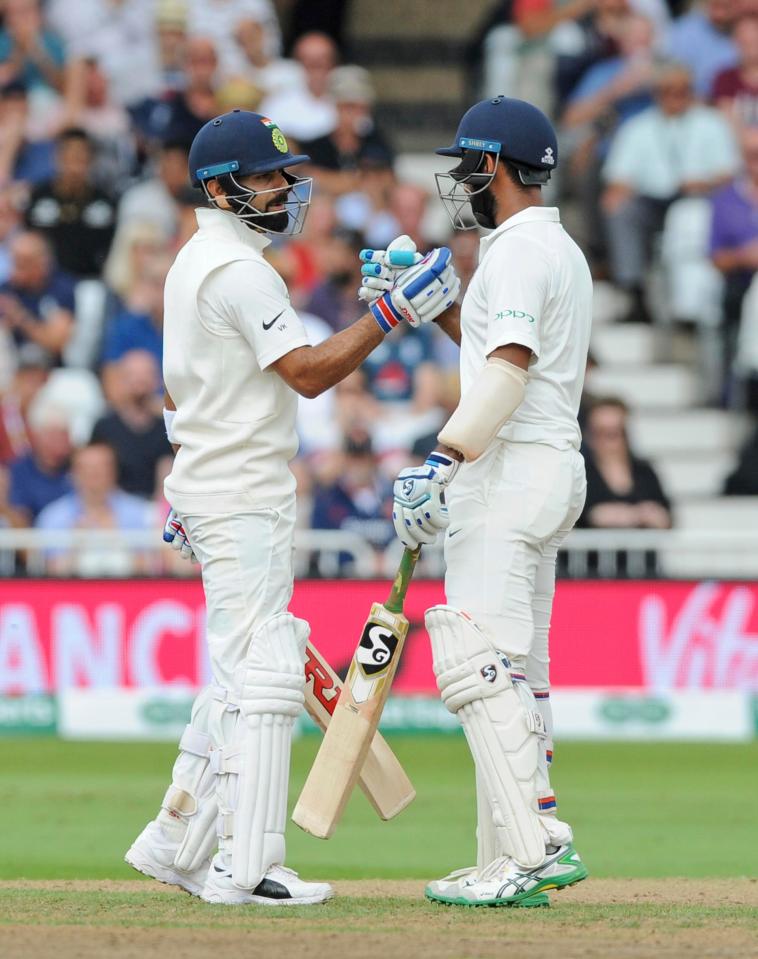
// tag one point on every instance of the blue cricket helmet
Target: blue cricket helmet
(239, 143)
(513, 129)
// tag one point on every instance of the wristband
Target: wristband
(384, 312)
(168, 419)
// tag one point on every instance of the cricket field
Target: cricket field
(669, 833)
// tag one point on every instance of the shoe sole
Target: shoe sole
(161, 874)
(536, 901)
(537, 893)
(219, 900)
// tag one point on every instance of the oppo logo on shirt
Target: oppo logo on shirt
(516, 314)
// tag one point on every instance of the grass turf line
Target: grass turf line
(646, 810)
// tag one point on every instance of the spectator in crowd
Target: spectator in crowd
(94, 503)
(359, 500)
(16, 400)
(623, 492)
(41, 476)
(22, 160)
(334, 299)
(135, 244)
(611, 92)
(76, 215)
(177, 115)
(735, 90)
(37, 301)
(156, 199)
(139, 326)
(702, 40)
(338, 158)
(390, 367)
(171, 40)
(119, 33)
(675, 148)
(28, 50)
(88, 105)
(219, 19)
(134, 427)
(734, 238)
(303, 261)
(307, 112)
(743, 480)
(271, 74)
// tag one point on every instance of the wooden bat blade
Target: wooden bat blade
(348, 738)
(382, 777)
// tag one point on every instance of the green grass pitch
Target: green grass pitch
(638, 810)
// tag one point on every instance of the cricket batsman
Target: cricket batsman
(236, 356)
(507, 483)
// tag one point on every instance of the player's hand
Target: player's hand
(420, 293)
(381, 268)
(175, 535)
(419, 510)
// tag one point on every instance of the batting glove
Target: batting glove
(420, 293)
(381, 268)
(419, 510)
(175, 535)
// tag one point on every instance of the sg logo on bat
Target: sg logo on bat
(376, 649)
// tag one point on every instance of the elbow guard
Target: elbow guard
(485, 408)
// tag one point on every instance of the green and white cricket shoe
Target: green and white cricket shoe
(505, 883)
(449, 890)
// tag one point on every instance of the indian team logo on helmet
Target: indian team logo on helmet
(277, 137)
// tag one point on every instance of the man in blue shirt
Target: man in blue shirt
(37, 301)
(95, 503)
(41, 476)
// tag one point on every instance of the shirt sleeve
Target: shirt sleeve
(251, 299)
(517, 280)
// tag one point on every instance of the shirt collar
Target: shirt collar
(227, 226)
(532, 214)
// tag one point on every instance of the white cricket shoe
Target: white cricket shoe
(451, 890)
(279, 887)
(152, 853)
(505, 883)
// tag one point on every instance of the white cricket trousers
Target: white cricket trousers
(509, 512)
(247, 561)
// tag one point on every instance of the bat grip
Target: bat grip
(403, 580)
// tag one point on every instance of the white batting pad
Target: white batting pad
(502, 726)
(272, 687)
(189, 809)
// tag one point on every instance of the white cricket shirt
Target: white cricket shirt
(227, 319)
(532, 287)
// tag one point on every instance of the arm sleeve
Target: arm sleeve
(253, 301)
(517, 280)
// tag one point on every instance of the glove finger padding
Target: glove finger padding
(424, 291)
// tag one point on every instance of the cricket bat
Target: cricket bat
(348, 739)
(382, 778)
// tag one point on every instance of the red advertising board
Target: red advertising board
(649, 635)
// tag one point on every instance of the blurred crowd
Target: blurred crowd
(657, 107)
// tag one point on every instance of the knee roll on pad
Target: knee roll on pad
(503, 727)
(272, 693)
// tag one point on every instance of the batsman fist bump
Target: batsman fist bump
(419, 510)
(420, 293)
(381, 268)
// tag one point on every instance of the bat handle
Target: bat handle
(403, 580)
